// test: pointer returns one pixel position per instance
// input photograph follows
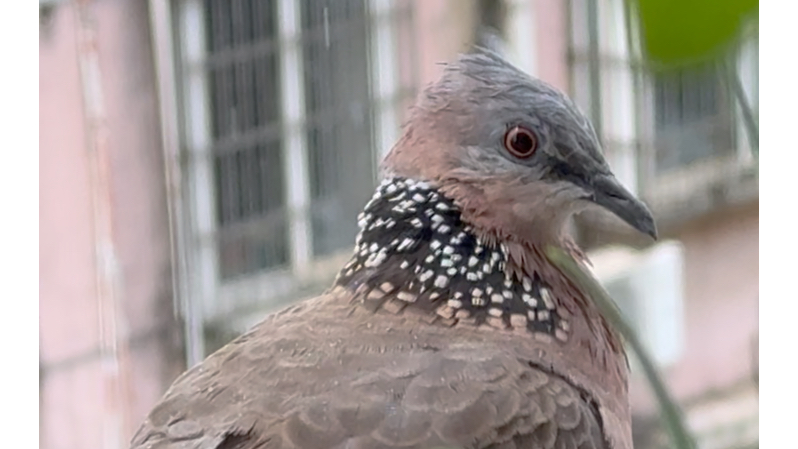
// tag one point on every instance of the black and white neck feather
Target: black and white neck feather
(415, 252)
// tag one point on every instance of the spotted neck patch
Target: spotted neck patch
(415, 252)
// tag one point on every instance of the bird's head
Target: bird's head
(514, 153)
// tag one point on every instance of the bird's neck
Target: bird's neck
(415, 251)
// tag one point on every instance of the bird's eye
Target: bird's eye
(520, 142)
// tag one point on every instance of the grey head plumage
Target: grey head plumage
(497, 137)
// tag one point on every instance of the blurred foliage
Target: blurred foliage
(679, 32)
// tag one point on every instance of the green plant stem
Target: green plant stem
(674, 421)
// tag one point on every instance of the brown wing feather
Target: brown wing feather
(323, 385)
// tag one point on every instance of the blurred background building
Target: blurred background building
(202, 163)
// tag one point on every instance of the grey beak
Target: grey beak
(611, 195)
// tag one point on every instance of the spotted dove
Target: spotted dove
(448, 327)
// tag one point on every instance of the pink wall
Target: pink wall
(551, 34)
(73, 397)
(721, 310)
(444, 29)
(68, 307)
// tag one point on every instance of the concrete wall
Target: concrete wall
(445, 27)
(551, 36)
(75, 396)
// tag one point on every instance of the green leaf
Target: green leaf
(678, 32)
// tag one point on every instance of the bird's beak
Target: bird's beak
(611, 195)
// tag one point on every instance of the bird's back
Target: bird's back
(325, 374)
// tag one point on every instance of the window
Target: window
(677, 140)
(604, 80)
(247, 142)
(288, 106)
(692, 117)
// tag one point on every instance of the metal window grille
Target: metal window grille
(288, 106)
(245, 88)
(604, 79)
(693, 120)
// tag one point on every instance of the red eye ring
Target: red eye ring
(520, 142)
